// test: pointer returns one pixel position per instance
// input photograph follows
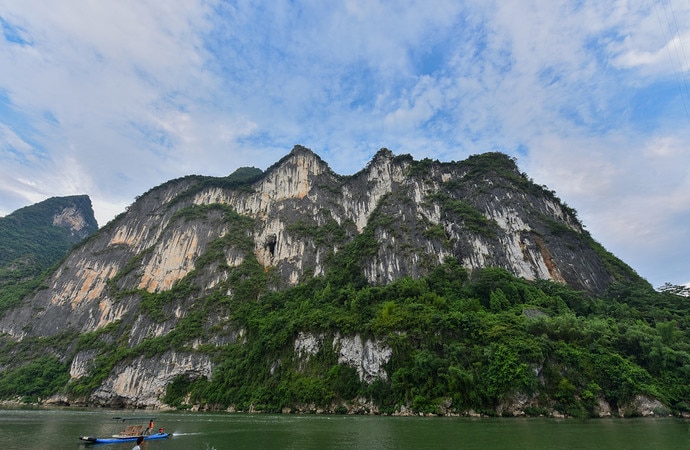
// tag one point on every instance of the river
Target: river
(58, 428)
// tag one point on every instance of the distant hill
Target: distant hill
(35, 237)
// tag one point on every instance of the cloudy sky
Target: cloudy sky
(112, 98)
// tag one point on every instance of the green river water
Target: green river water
(60, 429)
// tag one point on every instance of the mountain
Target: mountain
(404, 287)
(37, 236)
(45, 231)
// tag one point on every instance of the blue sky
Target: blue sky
(593, 98)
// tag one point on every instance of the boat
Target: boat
(130, 434)
(117, 438)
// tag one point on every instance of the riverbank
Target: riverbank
(639, 407)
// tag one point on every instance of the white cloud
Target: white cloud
(113, 98)
(115, 79)
(654, 40)
(13, 146)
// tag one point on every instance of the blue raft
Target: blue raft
(116, 439)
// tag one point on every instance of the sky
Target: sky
(112, 98)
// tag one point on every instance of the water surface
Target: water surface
(60, 429)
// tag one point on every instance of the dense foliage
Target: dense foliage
(30, 370)
(469, 341)
(476, 341)
(36, 380)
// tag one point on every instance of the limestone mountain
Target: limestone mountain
(37, 236)
(482, 212)
(203, 280)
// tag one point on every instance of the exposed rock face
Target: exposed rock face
(482, 212)
(367, 356)
(81, 364)
(643, 406)
(142, 382)
(307, 344)
(71, 218)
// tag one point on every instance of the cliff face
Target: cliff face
(192, 235)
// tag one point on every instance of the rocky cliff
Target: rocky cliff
(58, 222)
(37, 236)
(184, 252)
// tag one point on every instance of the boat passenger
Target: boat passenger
(150, 428)
(140, 439)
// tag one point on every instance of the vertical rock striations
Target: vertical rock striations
(146, 275)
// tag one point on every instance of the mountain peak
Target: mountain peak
(301, 156)
(302, 150)
(45, 231)
(383, 153)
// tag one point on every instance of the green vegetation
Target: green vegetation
(468, 215)
(31, 371)
(476, 340)
(30, 232)
(503, 169)
(614, 266)
(35, 380)
(328, 234)
(240, 180)
(12, 291)
(473, 341)
(420, 168)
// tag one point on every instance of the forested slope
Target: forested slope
(35, 237)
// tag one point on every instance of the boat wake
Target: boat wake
(185, 434)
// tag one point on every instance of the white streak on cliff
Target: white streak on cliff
(171, 260)
(81, 364)
(142, 382)
(132, 236)
(367, 357)
(88, 284)
(381, 176)
(70, 218)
